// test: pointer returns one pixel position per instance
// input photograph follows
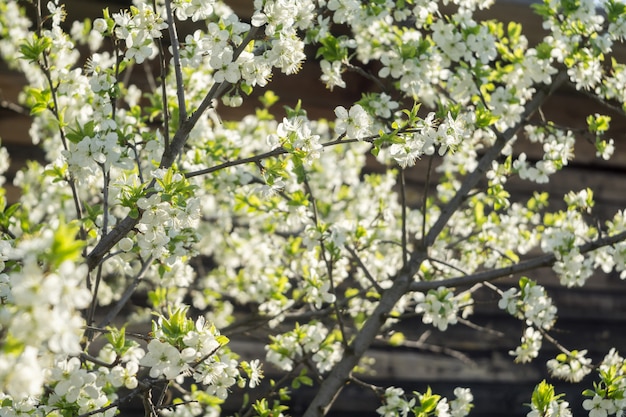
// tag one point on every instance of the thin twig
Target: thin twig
(341, 140)
(523, 266)
(363, 268)
(105, 229)
(86, 357)
(479, 328)
(374, 388)
(369, 76)
(419, 344)
(449, 265)
(94, 298)
(14, 107)
(552, 340)
(425, 196)
(178, 72)
(147, 69)
(45, 69)
(126, 333)
(164, 100)
(328, 262)
(403, 203)
(167, 159)
(113, 312)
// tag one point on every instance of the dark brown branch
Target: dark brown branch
(169, 156)
(178, 72)
(485, 162)
(524, 266)
(113, 312)
(337, 378)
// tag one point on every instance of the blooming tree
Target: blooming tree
(274, 223)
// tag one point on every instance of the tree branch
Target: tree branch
(109, 240)
(337, 378)
(403, 203)
(169, 156)
(178, 72)
(485, 162)
(180, 138)
(530, 264)
(127, 294)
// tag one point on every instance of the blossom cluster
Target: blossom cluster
(430, 135)
(607, 397)
(439, 307)
(572, 366)
(545, 402)
(427, 403)
(182, 347)
(531, 303)
(306, 342)
(40, 311)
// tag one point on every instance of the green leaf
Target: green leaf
(296, 111)
(222, 340)
(331, 49)
(158, 297)
(485, 117)
(514, 30)
(81, 132)
(544, 50)
(589, 393)
(247, 89)
(268, 99)
(7, 214)
(543, 395)
(304, 379)
(538, 201)
(428, 402)
(545, 9)
(12, 346)
(33, 49)
(39, 100)
(65, 246)
(598, 123)
(615, 10)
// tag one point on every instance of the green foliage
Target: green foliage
(427, 403)
(263, 409)
(611, 384)
(33, 49)
(397, 339)
(66, 244)
(81, 131)
(543, 396)
(38, 100)
(8, 214)
(615, 10)
(175, 188)
(268, 99)
(484, 117)
(302, 379)
(331, 49)
(598, 124)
